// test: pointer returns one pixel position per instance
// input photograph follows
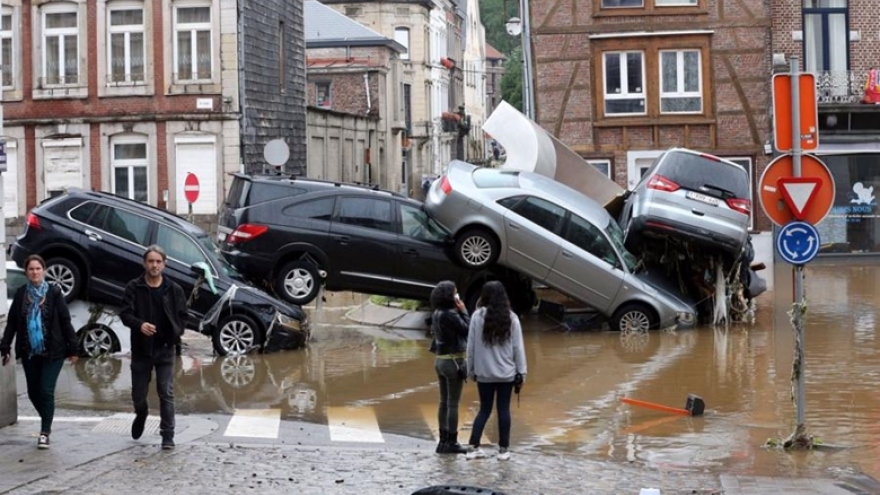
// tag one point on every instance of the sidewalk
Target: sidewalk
(97, 456)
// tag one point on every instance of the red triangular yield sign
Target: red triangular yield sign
(798, 193)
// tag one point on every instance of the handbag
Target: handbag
(517, 386)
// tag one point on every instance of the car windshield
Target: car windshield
(616, 236)
(211, 249)
(698, 173)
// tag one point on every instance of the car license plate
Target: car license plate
(709, 200)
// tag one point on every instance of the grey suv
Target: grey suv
(693, 196)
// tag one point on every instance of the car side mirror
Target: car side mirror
(198, 270)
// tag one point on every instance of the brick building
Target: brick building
(621, 80)
(494, 73)
(130, 97)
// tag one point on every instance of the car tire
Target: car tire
(97, 341)
(66, 275)
(298, 282)
(236, 334)
(633, 317)
(476, 248)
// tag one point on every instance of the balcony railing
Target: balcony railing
(840, 87)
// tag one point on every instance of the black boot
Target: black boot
(452, 445)
(441, 447)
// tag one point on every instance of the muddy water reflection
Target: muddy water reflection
(571, 402)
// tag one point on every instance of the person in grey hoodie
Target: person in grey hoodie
(495, 356)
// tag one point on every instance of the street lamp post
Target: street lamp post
(517, 26)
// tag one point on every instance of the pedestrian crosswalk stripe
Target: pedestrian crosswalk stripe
(354, 424)
(466, 418)
(255, 423)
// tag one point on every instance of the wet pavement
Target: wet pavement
(570, 422)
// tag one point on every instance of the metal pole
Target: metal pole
(528, 90)
(798, 270)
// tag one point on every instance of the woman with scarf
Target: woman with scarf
(39, 321)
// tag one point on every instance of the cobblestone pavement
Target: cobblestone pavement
(82, 460)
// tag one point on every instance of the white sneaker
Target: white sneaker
(477, 453)
(503, 454)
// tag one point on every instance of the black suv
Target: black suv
(93, 244)
(293, 234)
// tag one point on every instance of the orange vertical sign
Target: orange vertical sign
(782, 132)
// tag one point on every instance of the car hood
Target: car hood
(668, 287)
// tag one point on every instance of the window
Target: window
(127, 225)
(60, 45)
(680, 81)
(125, 45)
(179, 246)
(319, 209)
(662, 76)
(625, 7)
(365, 212)
(543, 213)
(624, 83)
(322, 94)
(192, 43)
(586, 236)
(401, 35)
(416, 223)
(826, 35)
(282, 54)
(7, 67)
(603, 166)
(128, 160)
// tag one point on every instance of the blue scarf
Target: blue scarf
(36, 293)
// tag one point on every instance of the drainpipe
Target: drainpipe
(367, 88)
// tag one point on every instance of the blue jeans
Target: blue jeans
(141, 372)
(41, 374)
(450, 392)
(489, 393)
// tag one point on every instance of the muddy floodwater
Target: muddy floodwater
(571, 403)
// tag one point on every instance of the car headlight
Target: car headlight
(289, 322)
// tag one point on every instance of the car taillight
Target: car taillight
(33, 221)
(662, 184)
(246, 232)
(445, 186)
(740, 205)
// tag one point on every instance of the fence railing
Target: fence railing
(846, 86)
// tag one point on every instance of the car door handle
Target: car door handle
(567, 254)
(93, 236)
(410, 252)
(343, 239)
(514, 226)
(698, 213)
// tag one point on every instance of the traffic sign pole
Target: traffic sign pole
(799, 437)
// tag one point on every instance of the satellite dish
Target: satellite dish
(514, 26)
(276, 152)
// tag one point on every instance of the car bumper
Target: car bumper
(662, 226)
(17, 253)
(250, 266)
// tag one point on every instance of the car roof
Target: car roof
(311, 182)
(549, 189)
(143, 208)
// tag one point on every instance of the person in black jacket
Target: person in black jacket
(154, 308)
(39, 321)
(449, 326)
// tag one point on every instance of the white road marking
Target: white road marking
(256, 423)
(353, 424)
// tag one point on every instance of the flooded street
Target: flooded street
(571, 403)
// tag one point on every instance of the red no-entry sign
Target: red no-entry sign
(191, 187)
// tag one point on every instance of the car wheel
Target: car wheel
(241, 373)
(298, 282)
(476, 248)
(633, 318)
(97, 341)
(65, 274)
(100, 372)
(236, 334)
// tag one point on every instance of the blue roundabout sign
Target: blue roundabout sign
(797, 243)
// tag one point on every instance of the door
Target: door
(637, 164)
(587, 267)
(115, 240)
(196, 155)
(422, 259)
(532, 227)
(362, 245)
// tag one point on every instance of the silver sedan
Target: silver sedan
(556, 236)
